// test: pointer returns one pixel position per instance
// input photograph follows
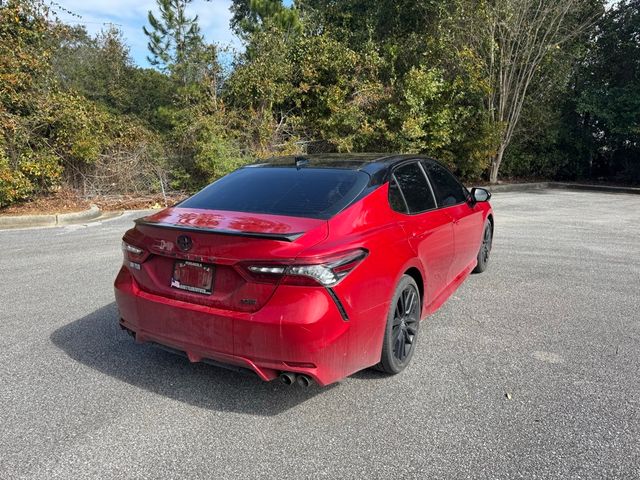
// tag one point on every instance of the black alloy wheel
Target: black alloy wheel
(403, 324)
(485, 248)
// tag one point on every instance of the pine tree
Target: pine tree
(248, 16)
(174, 38)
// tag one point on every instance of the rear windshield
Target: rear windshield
(306, 192)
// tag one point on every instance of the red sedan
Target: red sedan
(305, 268)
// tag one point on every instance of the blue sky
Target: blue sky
(130, 17)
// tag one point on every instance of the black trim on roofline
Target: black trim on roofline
(377, 165)
(283, 237)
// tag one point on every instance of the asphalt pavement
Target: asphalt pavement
(531, 370)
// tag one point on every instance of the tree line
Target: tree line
(508, 89)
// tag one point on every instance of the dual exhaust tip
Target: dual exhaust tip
(289, 378)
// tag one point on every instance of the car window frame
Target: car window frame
(404, 200)
(426, 177)
(464, 189)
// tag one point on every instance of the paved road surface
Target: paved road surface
(554, 323)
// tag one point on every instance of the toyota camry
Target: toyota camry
(306, 269)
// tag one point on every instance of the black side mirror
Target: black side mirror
(480, 194)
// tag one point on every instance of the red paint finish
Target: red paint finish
(275, 326)
(233, 221)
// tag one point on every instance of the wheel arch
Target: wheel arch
(414, 273)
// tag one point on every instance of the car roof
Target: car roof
(377, 165)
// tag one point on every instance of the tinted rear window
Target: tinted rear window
(307, 192)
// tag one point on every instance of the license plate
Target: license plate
(193, 277)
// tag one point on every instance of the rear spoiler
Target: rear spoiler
(283, 237)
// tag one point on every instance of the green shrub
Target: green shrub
(42, 169)
(14, 186)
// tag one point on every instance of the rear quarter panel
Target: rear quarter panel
(366, 292)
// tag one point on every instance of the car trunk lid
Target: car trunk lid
(218, 241)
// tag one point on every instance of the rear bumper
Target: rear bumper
(299, 330)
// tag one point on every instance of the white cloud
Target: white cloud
(130, 17)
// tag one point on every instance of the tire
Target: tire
(485, 248)
(396, 353)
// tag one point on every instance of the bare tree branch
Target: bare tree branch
(513, 38)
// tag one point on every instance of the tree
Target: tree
(384, 76)
(402, 31)
(24, 52)
(251, 15)
(609, 93)
(24, 69)
(513, 38)
(98, 67)
(549, 141)
(174, 38)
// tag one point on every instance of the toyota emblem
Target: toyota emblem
(184, 243)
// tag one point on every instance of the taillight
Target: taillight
(326, 271)
(133, 255)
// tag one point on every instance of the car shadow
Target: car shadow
(97, 341)
(369, 375)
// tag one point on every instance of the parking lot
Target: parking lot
(531, 370)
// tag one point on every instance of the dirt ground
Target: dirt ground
(65, 201)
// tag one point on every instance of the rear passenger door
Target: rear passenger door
(429, 230)
(468, 222)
